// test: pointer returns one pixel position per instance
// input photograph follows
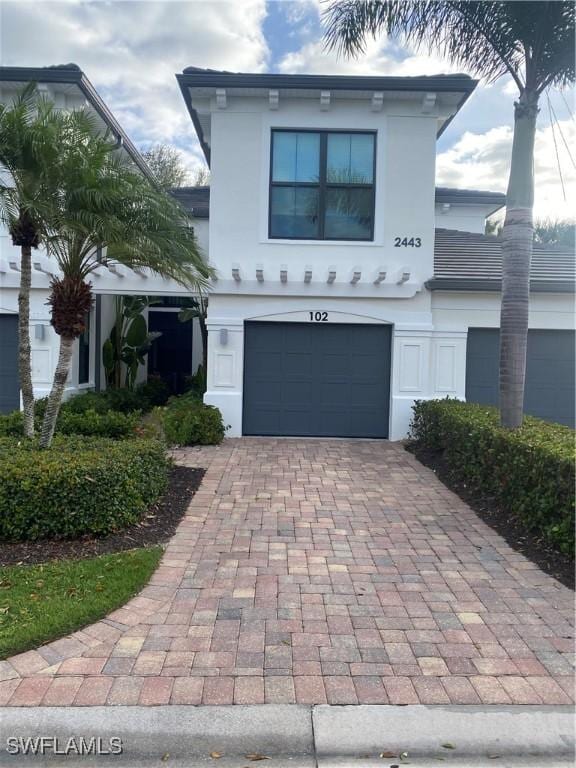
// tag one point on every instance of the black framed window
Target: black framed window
(322, 185)
(84, 354)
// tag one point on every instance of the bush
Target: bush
(110, 424)
(155, 391)
(78, 422)
(189, 422)
(89, 401)
(529, 471)
(127, 400)
(78, 486)
(11, 424)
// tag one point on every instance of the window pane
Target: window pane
(350, 158)
(348, 214)
(294, 212)
(296, 156)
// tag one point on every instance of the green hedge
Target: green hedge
(81, 485)
(89, 422)
(530, 471)
(187, 421)
(111, 424)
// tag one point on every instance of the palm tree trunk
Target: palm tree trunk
(57, 391)
(24, 355)
(517, 236)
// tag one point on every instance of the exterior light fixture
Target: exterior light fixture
(223, 337)
(39, 332)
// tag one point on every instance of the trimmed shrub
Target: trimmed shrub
(529, 471)
(188, 421)
(11, 424)
(82, 422)
(110, 424)
(127, 400)
(78, 486)
(155, 391)
(88, 401)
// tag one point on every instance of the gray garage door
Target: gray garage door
(9, 383)
(322, 380)
(549, 391)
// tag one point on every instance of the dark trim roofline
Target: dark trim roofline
(470, 197)
(495, 286)
(192, 77)
(75, 76)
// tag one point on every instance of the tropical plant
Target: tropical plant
(129, 341)
(106, 204)
(30, 131)
(197, 307)
(533, 43)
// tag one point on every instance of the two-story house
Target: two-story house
(348, 286)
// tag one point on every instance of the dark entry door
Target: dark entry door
(9, 381)
(171, 354)
(323, 380)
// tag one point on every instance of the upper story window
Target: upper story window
(322, 185)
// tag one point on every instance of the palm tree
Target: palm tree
(30, 128)
(533, 43)
(106, 205)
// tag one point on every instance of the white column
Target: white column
(225, 370)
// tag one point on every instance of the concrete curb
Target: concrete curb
(422, 730)
(293, 734)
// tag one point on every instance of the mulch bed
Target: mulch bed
(156, 527)
(529, 543)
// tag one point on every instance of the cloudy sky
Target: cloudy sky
(131, 49)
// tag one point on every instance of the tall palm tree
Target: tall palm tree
(106, 205)
(30, 130)
(533, 42)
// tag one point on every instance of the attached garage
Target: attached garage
(317, 380)
(550, 381)
(9, 381)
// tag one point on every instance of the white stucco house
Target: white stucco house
(348, 284)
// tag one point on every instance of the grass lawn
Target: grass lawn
(39, 603)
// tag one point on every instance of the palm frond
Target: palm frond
(531, 41)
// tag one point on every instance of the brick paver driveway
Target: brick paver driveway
(319, 570)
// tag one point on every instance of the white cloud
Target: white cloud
(482, 161)
(381, 57)
(131, 50)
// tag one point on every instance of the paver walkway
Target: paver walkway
(317, 571)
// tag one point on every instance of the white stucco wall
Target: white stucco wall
(405, 158)
(465, 218)
(460, 311)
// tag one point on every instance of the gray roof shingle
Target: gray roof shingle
(468, 261)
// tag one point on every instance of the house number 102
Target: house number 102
(319, 317)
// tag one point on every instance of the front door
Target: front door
(171, 354)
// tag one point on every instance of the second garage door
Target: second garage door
(321, 380)
(549, 391)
